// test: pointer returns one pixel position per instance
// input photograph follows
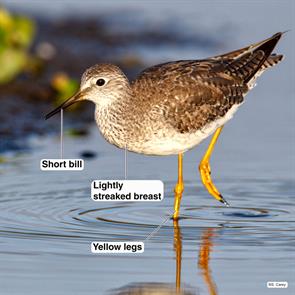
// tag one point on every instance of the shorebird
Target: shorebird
(171, 107)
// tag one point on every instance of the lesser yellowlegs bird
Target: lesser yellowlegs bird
(170, 108)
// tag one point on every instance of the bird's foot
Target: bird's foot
(205, 172)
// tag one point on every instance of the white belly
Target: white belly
(177, 142)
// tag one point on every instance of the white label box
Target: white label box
(117, 247)
(277, 285)
(61, 164)
(127, 190)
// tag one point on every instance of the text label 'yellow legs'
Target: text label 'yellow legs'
(205, 170)
(178, 188)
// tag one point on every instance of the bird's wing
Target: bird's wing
(189, 94)
(193, 93)
(208, 100)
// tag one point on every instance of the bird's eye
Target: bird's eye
(100, 82)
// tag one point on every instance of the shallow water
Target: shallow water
(48, 219)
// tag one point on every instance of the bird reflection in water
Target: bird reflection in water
(177, 289)
(204, 257)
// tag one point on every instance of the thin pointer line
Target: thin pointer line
(125, 161)
(61, 133)
(158, 227)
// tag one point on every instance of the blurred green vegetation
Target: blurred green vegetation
(16, 36)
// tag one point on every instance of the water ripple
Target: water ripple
(69, 215)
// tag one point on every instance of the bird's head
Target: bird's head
(102, 84)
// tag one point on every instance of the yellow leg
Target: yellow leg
(205, 170)
(178, 188)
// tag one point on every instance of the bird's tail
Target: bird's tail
(271, 61)
(249, 63)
